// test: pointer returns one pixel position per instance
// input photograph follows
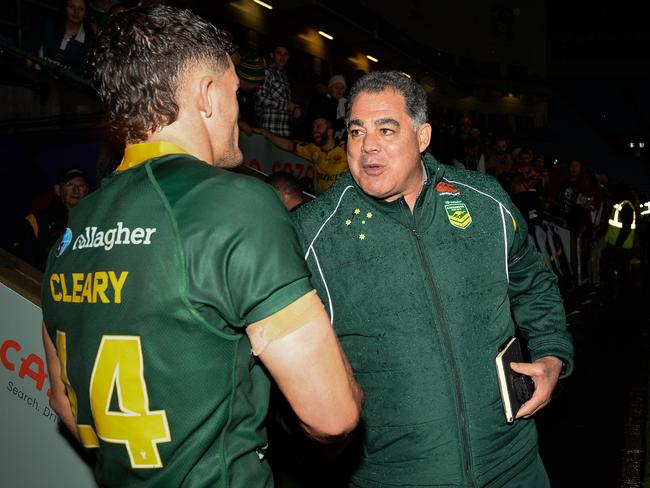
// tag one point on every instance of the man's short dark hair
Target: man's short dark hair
(276, 43)
(284, 182)
(414, 95)
(140, 58)
(328, 120)
(472, 142)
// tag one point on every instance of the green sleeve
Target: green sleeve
(243, 254)
(535, 298)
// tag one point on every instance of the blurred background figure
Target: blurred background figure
(499, 161)
(41, 229)
(288, 188)
(250, 70)
(274, 107)
(524, 166)
(332, 104)
(526, 200)
(473, 158)
(66, 43)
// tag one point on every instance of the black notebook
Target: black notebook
(516, 389)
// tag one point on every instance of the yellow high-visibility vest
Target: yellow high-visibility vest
(615, 226)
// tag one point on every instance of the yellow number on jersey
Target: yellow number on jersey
(86, 433)
(119, 369)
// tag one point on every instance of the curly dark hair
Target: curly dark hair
(140, 58)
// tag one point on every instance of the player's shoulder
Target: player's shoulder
(182, 177)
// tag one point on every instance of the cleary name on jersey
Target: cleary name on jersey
(95, 287)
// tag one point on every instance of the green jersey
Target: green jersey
(147, 297)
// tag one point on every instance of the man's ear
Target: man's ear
(57, 189)
(424, 136)
(205, 96)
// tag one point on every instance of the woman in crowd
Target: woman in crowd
(67, 42)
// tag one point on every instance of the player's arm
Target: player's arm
(300, 349)
(282, 142)
(58, 396)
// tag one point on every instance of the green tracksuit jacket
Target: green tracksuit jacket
(421, 303)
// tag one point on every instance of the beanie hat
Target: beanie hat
(251, 68)
(337, 79)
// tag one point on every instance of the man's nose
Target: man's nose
(369, 143)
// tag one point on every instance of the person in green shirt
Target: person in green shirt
(426, 270)
(178, 284)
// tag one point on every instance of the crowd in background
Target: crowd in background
(566, 194)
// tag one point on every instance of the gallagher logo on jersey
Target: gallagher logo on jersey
(65, 242)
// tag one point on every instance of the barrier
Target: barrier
(567, 254)
(34, 453)
(263, 156)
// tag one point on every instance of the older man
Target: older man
(176, 276)
(426, 270)
(41, 229)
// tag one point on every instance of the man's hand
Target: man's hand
(545, 373)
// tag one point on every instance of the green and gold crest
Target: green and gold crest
(458, 214)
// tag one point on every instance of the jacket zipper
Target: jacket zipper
(446, 341)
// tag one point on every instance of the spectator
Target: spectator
(464, 128)
(250, 71)
(99, 12)
(42, 228)
(183, 280)
(273, 105)
(499, 161)
(288, 188)
(67, 43)
(332, 104)
(326, 152)
(540, 167)
(526, 200)
(427, 270)
(531, 178)
(572, 197)
(574, 204)
(473, 157)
